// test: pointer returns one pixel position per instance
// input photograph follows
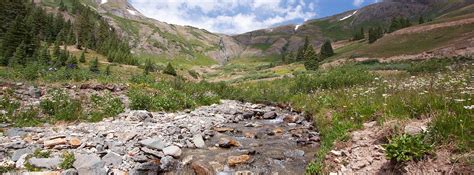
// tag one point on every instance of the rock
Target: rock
(227, 143)
(277, 131)
(294, 153)
(74, 142)
(18, 153)
(49, 163)
(198, 141)
(42, 173)
(118, 172)
(370, 124)
(248, 115)
(112, 158)
(167, 163)
(152, 152)
(139, 115)
(413, 129)
(223, 129)
(34, 92)
(21, 161)
(172, 151)
(13, 132)
(249, 135)
(151, 167)
(89, 164)
(270, 115)
(336, 153)
(153, 143)
(291, 118)
(54, 142)
(71, 171)
(187, 159)
(244, 173)
(201, 168)
(235, 160)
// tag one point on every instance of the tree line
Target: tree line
(377, 32)
(28, 33)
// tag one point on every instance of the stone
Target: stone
(294, 153)
(248, 115)
(224, 129)
(34, 92)
(89, 164)
(277, 131)
(152, 152)
(48, 163)
(198, 141)
(414, 130)
(42, 173)
(249, 135)
(270, 115)
(71, 171)
(227, 143)
(153, 143)
(13, 132)
(248, 173)
(74, 142)
(370, 124)
(151, 167)
(112, 158)
(235, 160)
(18, 153)
(336, 153)
(54, 142)
(172, 151)
(21, 161)
(167, 163)
(201, 168)
(118, 172)
(291, 118)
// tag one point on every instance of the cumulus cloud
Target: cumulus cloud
(357, 3)
(227, 16)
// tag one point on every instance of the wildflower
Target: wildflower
(384, 95)
(469, 107)
(459, 100)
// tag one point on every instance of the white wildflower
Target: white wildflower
(469, 107)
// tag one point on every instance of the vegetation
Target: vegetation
(68, 160)
(375, 34)
(399, 23)
(326, 50)
(170, 70)
(358, 34)
(407, 147)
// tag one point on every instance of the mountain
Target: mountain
(152, 37)
(340, 26)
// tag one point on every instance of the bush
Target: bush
(105, 106)
(170, 70)
(61, 107)
(68, 160)
(406, 148)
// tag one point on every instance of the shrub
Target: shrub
(61, 107)
(142, 79)
(193, 74)
(41, 154)
(27, 118)
(170, 70)
(68, 160)
(406, 148)
(105, 106)
(94, 67)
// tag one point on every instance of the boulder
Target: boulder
(48, 163)
(89, 164)
(153, 143)
(167, 163)
(18, 153)
(201, 168)
(227, 143)
(139, 115)
(172, 151)
(198, 141)
(235, 160)
(112, 158)
(270, 115)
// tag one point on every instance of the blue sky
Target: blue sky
(239, 16)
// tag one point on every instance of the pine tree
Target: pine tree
(312, 60)
(82, 59)
(358, 35)
(148, 67)
(19, 56)
(94, 66)
(421, 20)
(170, 70)
(44, 57)
(284, 53)
(326, 50)
(301, 51)
(71, 62)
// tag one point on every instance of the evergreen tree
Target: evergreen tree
(44, 57)
(301, 51)
(421, 20)
(312, 59)
(375, 34)
(358, 35)
(94, 66)
(170, 70)
(72, 62)
(148, 67)
(107, 70)
(284, 53)
(82, 58)
(326, 50)
(19, 56)
(62, 7)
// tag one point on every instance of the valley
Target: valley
(96, 87)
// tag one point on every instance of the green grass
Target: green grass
(261, 46)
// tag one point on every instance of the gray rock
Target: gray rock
(198, 141)
(167, 163)
(12, 132)
(152, 152)
(21, 161)
(89, 164)
(49, 163)
(270, 115)
(146, 168)
(139, 115)
(34, 92)
(71, 171)
(112, 158)
(172, 151)
(18, 153)
(413, 130)
(153, 143)
(248, 115)
(294, 153)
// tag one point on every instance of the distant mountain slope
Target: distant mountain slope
(341, 26)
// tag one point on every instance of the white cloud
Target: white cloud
(226, 16)
(358, 2)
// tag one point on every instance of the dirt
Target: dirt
(364, 153)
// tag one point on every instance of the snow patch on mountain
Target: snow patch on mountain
(297, 26)
(348, 16)
(133, 12)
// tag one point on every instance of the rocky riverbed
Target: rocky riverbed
(227, 138)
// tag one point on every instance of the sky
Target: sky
(240, 16)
